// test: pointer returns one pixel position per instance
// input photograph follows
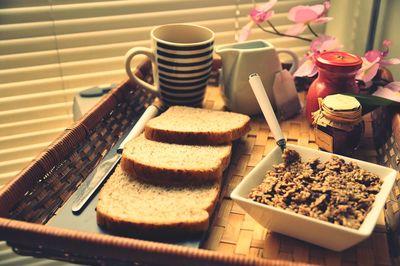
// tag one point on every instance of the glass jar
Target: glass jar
(336, 74)
(338, 124)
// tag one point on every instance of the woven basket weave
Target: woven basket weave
(386, 125)
(30, 200)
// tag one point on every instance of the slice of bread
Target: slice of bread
(188, 125)
(129, 206)
(166, 163)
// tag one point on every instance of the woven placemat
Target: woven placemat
(235, 232)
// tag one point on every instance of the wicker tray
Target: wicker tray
(32, 198)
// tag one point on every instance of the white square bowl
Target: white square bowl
(312, 230)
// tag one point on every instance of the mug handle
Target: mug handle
(295, 58)
(128, 58)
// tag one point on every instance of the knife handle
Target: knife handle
(150, 112)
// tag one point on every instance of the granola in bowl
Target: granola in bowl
(333, 191)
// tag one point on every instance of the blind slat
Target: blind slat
(96, 66)
(10, 15)
(99, 51)
(38, 99)
(29, 138)
(22, 151)
(24, 3)
(13, 165)
(102, 37)
(4, 178)
(21, 127)
(36, 112)
(31, 86)
(28, 59)
(26, 30)
(37, 44)
(86, 80)
(30, 73)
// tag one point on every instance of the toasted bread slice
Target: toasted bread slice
(188, 125)
(129, 206)
(166, 163)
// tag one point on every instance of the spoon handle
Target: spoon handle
(266, 107)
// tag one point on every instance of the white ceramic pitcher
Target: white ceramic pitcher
(239, 60)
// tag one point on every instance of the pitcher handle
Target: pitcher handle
(295, 59)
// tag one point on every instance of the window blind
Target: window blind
(52, 49)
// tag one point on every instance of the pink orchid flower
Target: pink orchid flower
(305, 15)
(318, 45)
(262, 12)
(391, 91)
(258, 14)
(245, 31)
(373, 60)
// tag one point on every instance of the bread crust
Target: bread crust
(192, 138)
(195, 138)
(152, 230)
(136, 225)
(153, 132)
(173, 176)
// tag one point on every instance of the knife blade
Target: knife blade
(109, 162)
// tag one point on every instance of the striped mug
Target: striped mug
(182, 57)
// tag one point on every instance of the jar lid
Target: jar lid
(338, 111)
(341, 108)
(337, 61)
(341, 102)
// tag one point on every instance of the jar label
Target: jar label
(323, 140)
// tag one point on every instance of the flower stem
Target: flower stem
(312, 31)
(273, 27)
(275, 31)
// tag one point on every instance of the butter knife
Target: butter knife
(111, 160)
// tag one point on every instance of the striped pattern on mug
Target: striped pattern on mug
(183, 72)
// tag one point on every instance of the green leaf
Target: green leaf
(371, 102)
